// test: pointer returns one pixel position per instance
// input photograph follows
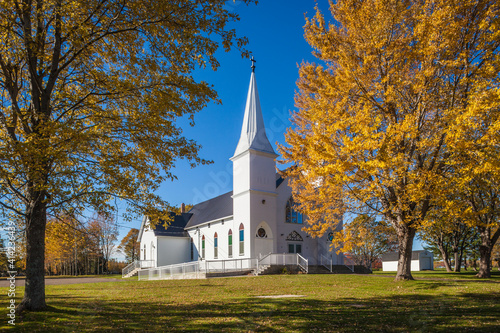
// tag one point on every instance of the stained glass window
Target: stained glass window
(203, 247)
(230, 244)
(242, 239)
(215, 246)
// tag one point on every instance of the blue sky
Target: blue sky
(275, 32)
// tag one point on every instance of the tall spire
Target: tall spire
(253, 132)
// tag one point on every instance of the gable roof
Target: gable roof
(176, 226)
(279, 180)
(213, 209)
(394, 256)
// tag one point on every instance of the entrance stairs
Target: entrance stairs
(261, 270)
(132, 272)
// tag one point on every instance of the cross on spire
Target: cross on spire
(253, 64)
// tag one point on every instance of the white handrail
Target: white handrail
(232, 265)
(351, 265)
(136, 265)
(187, 270)
(285, 259)
(303, 263)
(324, 262)
(200, 269)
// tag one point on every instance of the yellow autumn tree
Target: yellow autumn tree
(475, 142)
(64, 241)
(372, 130)
(89, 96)
(365, 240)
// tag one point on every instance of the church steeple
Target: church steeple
(253, 132)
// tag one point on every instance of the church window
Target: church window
(215, 246)
(242, 239)
(203, 247)
(294, 236)
(152, 251)
(261, 233)
(144, 251)
(230, 244)
(294, 248)
(292, 216)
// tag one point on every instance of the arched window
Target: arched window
(242, 239)
(203, 247)
(292, 216)
(152, 251)
(144, 251)
(215, 246)
(230, 243)
(192, 249)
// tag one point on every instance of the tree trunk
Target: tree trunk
(460, 260)
(484, 262)
(34, 292)
(457, 260)
(405, 239)
(485, 253)
(487, 242)
(446, 260)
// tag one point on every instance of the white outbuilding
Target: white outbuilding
(420, 261)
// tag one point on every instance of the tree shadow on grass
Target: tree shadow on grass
(397, 313)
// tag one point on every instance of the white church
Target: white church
(254, 220)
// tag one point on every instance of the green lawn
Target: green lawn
(347, 303)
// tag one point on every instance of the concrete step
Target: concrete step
(132, 273)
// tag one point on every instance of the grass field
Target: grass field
(347, 303)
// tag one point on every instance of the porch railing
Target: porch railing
(188, 270)
(231, 265)
(199, 269)
(326, 262)
(348, 263)
(303, 263)
(136, 264)
(283, 259)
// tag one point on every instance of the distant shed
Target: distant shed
(420, 261)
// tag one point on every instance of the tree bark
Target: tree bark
(484, 261)
(34, 292)
(487, 242)
(457, 260)
(446, 259)
(405, 239)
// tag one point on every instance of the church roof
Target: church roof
(253, 132)
(213, 209)
(176, 226)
